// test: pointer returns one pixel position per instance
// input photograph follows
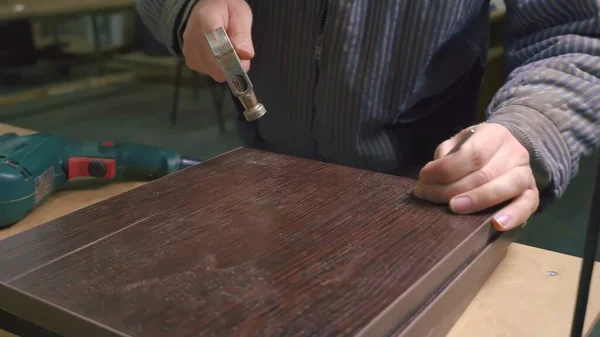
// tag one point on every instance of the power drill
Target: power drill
(33, 167)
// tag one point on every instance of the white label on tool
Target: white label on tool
(44, 184)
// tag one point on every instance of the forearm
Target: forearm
(553, 108)
(166, 20)
(551, 100)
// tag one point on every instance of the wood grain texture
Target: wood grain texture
(247, 244)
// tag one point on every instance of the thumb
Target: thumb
(239, 29)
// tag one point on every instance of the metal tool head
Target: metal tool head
(219, 42)
(234, 72)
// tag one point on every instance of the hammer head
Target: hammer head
(234, 72)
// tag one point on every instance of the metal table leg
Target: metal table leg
(589, 258)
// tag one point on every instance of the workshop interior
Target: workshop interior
(88, 76)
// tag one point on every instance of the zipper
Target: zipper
(319, 49)
(318, 53)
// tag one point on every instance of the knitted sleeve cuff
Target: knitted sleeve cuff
(550, 158)
(176, 14)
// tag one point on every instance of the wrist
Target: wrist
(549, 154)
(177, 19)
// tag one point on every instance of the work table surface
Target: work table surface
(520, 299)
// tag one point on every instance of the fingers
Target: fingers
(518, 211)
(206, 16)
(443, 149)
(492, 167)
(442, 193)
(240, 28)
(488, 142)
(473, 155)
(505, 187)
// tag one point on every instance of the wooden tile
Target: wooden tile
(247, 244)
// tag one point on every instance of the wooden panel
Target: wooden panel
(247, 244)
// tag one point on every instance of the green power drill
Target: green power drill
(32, 167)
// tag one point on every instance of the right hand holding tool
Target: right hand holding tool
(208, 15)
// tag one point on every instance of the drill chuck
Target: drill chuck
(187, 162)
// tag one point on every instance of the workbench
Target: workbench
(33, 9)
(531, 293)
(56, 13)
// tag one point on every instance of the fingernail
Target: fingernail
(503, 221)
(417, 190)
(461, 204)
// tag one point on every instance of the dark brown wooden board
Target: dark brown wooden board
(249, 243)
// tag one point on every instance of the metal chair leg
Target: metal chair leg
(97, 44)
(176, 94)
(195, 85)
(218, 93)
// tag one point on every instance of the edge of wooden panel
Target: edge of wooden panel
(406, 309)
(49, 316)
(438, 318)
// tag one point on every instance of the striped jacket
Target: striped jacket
(372, 84)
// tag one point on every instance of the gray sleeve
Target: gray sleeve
(166, 19)
(551, 100)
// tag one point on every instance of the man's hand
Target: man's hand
(490, 168)
(207, 15)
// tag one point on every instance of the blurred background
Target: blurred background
(89, 70)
